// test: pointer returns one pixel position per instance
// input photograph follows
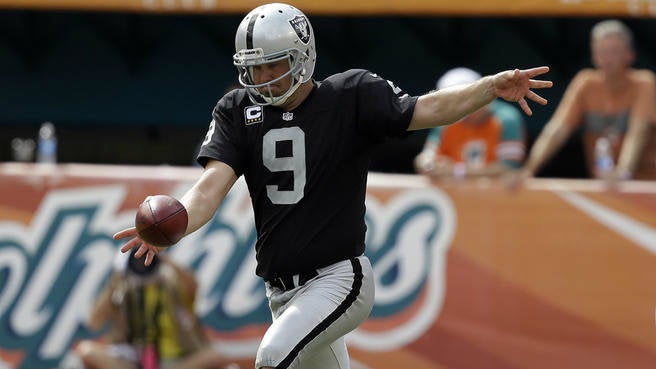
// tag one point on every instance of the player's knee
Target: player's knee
(269, 355)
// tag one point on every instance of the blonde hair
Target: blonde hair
(612, 27)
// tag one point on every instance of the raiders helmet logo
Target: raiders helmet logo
(302, 28)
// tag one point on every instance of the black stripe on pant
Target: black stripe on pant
(330, 319)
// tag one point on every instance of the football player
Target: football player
(303, 147)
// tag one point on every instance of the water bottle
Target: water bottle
(47, 145)
(604, 162)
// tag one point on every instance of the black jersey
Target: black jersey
(306, 170)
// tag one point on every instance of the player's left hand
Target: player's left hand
(516, 85)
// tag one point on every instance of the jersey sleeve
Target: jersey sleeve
(224, 138)
(384, 110)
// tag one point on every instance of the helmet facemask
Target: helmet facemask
(261, 93)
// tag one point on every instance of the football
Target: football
(161, 220)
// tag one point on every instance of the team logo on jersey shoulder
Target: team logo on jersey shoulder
(302, 28)
(396, 89)
(253, 114)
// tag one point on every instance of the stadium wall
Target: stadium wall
(468, 275)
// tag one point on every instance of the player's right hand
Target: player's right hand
(136, 241)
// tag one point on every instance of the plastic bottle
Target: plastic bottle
(604, 162)
(47, 146)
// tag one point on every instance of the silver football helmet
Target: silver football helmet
(270, 33)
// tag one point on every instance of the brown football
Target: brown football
(161, 220)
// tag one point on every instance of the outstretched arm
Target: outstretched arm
(204, 198)
(550, 140)
(557, 130)
(561, 125)
(632, 147)
(449, 105)
(201, 202)
(641, 116)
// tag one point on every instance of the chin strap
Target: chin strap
(282, 99)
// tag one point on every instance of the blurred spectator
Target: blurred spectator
(151, 315)
(488, 142)
(612, 101)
